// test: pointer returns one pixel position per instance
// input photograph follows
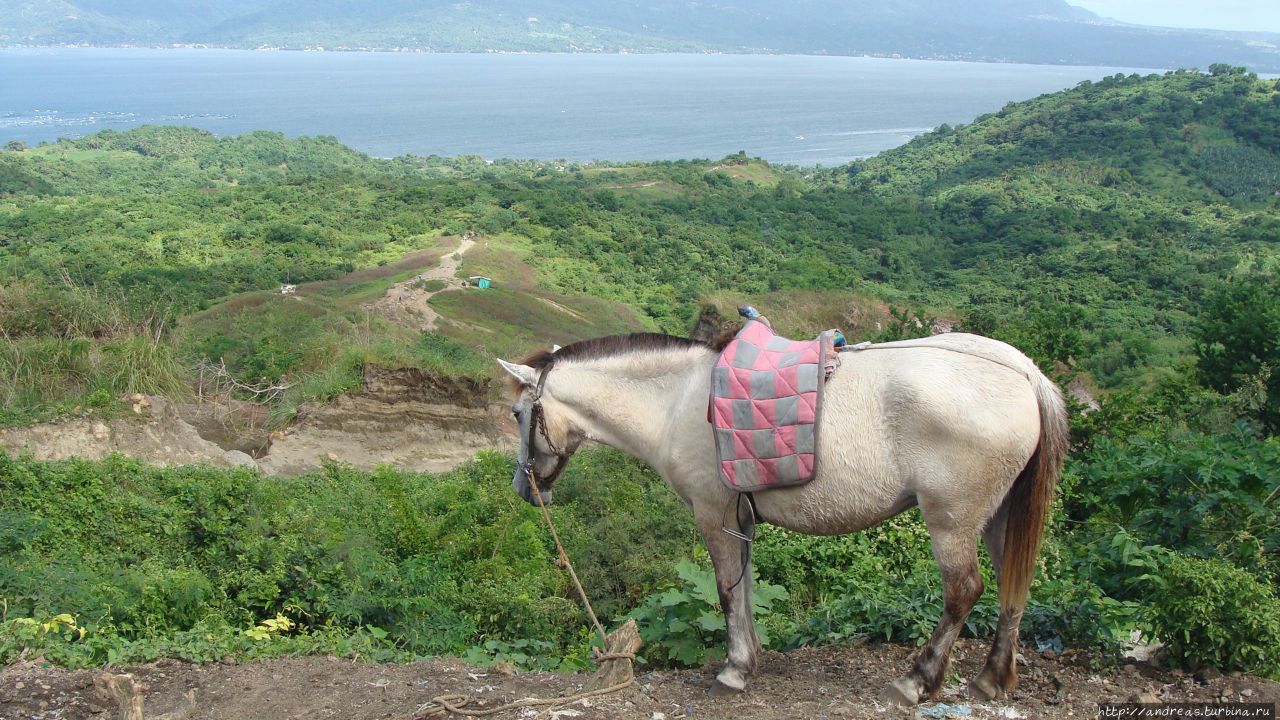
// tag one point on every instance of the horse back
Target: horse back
(950, 421)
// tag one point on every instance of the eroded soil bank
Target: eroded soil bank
(403, 417)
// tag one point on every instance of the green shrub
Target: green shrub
(1210, 612)
(527, 654)
(814, 568)
(433, 285)
(143, 557)
(684, 624)
(893, 607)
(1209, 495)
(1077, 613)
(623, 527)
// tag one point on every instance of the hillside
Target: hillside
(1123, 233)
(1032, 31)
(1115, 206)
(1123, 189)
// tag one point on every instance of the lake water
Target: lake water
(803, 110)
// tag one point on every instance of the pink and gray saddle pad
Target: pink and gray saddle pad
(766, 400)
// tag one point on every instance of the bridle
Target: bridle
(538, 425)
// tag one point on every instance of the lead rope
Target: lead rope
(442, 705)
(563, 560)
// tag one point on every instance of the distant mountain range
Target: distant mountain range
(1032, 31)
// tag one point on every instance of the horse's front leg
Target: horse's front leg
(731, 558)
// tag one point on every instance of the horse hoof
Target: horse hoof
(983, 689)
(720, 690)
(900, 692)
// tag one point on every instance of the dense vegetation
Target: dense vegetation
(1123, 233)
(1037, 31)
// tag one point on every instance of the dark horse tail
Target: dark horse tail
(1030, 498)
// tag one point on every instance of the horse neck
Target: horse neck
(635, 403)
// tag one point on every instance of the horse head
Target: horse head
(545, 447)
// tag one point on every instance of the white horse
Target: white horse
(964, 426)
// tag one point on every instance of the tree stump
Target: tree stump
(620, 648)
(127, 693)
(124, 690)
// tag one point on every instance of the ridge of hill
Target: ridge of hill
(1033, 31)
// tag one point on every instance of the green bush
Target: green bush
(684, 624)
(1209, 495)
(814, 568)
(895, 607)
(144, 557)
(1210, 612)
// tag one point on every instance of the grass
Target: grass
(515, 317)
(432, 285)
(512, 323)
(653, 190)
(503, 259)
(371, 283)
(805, 313)
(72, 348)
(69, 348)
(757, 172)
(43, 378)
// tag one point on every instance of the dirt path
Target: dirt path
(629, 186)
(406, 302)
(807, 683)
(567, 311)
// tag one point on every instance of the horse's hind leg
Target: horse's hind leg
(956, 550)
(999, 674)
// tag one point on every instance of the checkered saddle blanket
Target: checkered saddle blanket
(766, 400)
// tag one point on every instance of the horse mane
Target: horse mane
(614, 345)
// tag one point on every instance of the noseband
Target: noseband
(538, 424)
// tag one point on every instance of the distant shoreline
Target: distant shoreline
(494, 51)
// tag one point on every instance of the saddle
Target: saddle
(766, 401)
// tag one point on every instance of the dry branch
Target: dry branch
(217, 382)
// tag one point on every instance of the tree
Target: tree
(1219, 69)
(1238, 342)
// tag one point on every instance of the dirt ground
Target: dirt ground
(808, 683)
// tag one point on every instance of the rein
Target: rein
(538, 424)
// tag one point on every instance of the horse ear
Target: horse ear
(524, 374)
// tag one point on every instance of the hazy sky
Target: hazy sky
(1218, 14)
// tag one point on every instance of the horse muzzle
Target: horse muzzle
(524, 488)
